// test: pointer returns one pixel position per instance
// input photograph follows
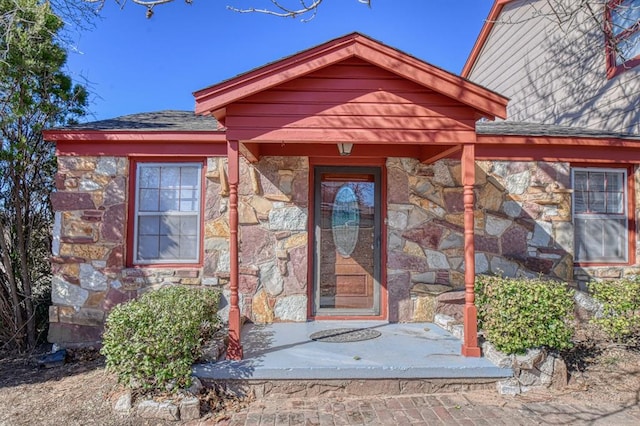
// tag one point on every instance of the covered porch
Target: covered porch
(350, 103)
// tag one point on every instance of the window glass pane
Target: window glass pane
(170, 225)
(149, 199)
(614, 240)
(600, 240)
(149, 225)
(188, 247)
(149, 177)
(189, 177)
(189, 200)
(169, 200)
(169, 247)
(615, 192)
(147, 247)
(596, 202)
(628, 48)
(580, 179)
(580, 186)
(579, 201)
(624, 15)
(614, 182)
(596, 181)
(188, 225)
(169, 177)
(587, 235)
(615, 203)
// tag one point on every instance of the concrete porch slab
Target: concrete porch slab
(284, 351)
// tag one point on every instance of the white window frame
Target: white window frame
(611, 216)
(170, 213)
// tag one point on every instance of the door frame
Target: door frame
(382, 283)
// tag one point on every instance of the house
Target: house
(348, 181)
(565, 62)
(574, 64)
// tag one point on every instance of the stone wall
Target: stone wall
(273, 215)
(90, 275)
(522, 227)
(88, 246)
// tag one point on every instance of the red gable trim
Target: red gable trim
(214, 99)
(494, 13)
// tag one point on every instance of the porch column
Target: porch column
(470, 343)
(234, 349)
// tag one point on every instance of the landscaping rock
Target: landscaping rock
(195, 388)
(509, 387)
(190, 409)
(123, 404)
(531, 359)
(586, 306)
(536, 368)
(158, 410)
(500, 359)
(560, 377)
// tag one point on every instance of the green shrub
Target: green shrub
(621, 309)
(520, 314)
(154, 340)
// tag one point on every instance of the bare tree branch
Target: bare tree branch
(279, 9)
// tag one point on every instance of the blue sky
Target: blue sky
(133, 64)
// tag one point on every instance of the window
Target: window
(600, 215)
(167, 213)
(622, 30)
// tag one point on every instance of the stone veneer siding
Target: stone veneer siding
(523, 228)
(522, 225)
(89, 272)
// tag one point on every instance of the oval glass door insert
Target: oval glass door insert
(345, 221)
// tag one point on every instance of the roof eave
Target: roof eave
(95, 135)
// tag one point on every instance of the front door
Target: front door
(347, 241)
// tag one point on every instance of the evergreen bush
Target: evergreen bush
(517, 314)
(620, 317)
(153, 341)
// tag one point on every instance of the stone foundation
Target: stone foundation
(337, 388)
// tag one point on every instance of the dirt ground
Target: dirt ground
(82, 393)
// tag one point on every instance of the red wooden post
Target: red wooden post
(234, 349)
(470, 343)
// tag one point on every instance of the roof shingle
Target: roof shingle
(508, 128)
(168, 120)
